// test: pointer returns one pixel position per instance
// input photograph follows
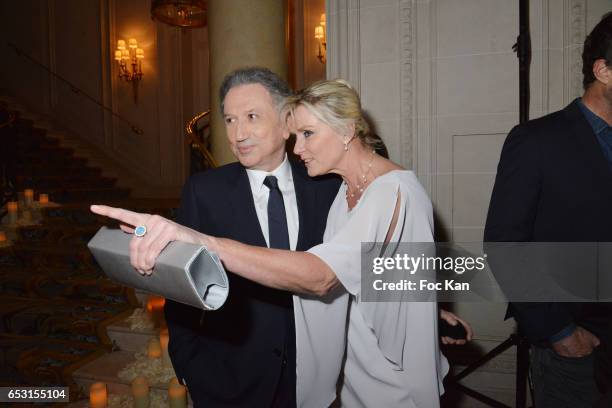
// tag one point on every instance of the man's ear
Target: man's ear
(288, 125)
(602, 72)
(286, 132)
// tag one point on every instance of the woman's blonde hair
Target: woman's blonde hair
(335, 103)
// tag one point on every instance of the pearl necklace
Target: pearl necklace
(360, 187)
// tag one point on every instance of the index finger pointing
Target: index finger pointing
(120, 214)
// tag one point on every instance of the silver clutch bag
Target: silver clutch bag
(186, 273)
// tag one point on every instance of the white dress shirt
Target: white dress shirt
(261, 193)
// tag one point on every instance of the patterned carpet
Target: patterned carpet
(56, 303)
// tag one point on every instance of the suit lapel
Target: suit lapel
(306, 197)
(244, 221)
(588, 143)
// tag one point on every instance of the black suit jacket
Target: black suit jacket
(233, 357)
(553, 184)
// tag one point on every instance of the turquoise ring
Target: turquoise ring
(140, 231)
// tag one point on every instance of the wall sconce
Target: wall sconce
(321, 37)
(127, 56)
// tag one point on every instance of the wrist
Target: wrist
(211, 243)
(563, 333)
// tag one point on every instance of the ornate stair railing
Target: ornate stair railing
(198, 139)
(75, 89)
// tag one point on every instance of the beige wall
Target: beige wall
(76, 39)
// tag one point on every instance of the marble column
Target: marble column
(242, 33)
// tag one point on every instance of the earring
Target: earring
(346, 143)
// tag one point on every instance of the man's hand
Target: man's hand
(454, 320)
(578, 344)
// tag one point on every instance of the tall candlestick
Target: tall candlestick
(12, 208)
(163, 340)
(28, 196)
(154, 348)
(177, 394)
(140, 392)
(97, 395)
(155, 306)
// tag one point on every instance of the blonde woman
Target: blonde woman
(386, 353)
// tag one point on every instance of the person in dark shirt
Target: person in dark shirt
(554, 184)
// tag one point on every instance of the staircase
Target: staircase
(62, 322)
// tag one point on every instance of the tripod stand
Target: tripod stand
(522, 372)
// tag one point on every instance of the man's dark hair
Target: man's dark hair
(278, 88)
(598, 45)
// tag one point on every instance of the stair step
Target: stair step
(62, 235)
(39, 256)
(40, 182)
(128, 339)
(71, 167)
(141, 296)
(55, 154)
(76, 172)
(106, 369)
(91, 195)
(60, 162)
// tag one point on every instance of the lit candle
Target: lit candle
(140, 392)
(43, 199)
(29, 196)
(97, 395)
(155, 306)
(177, 394)
(154, 348)
(132, 43)
(163, 340)
(12, 207)
(121, 44)
(318, 32)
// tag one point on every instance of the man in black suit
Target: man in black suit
(243, 355)
(554, 184)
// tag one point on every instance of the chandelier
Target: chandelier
(182, 13)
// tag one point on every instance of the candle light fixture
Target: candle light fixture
(321, 37)
(98, 396)
(155, 308)
(154, 348)
(177, 394)
(12, 209)
(28, 195)
(163, 341)
(129, 59)
(140, 392)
